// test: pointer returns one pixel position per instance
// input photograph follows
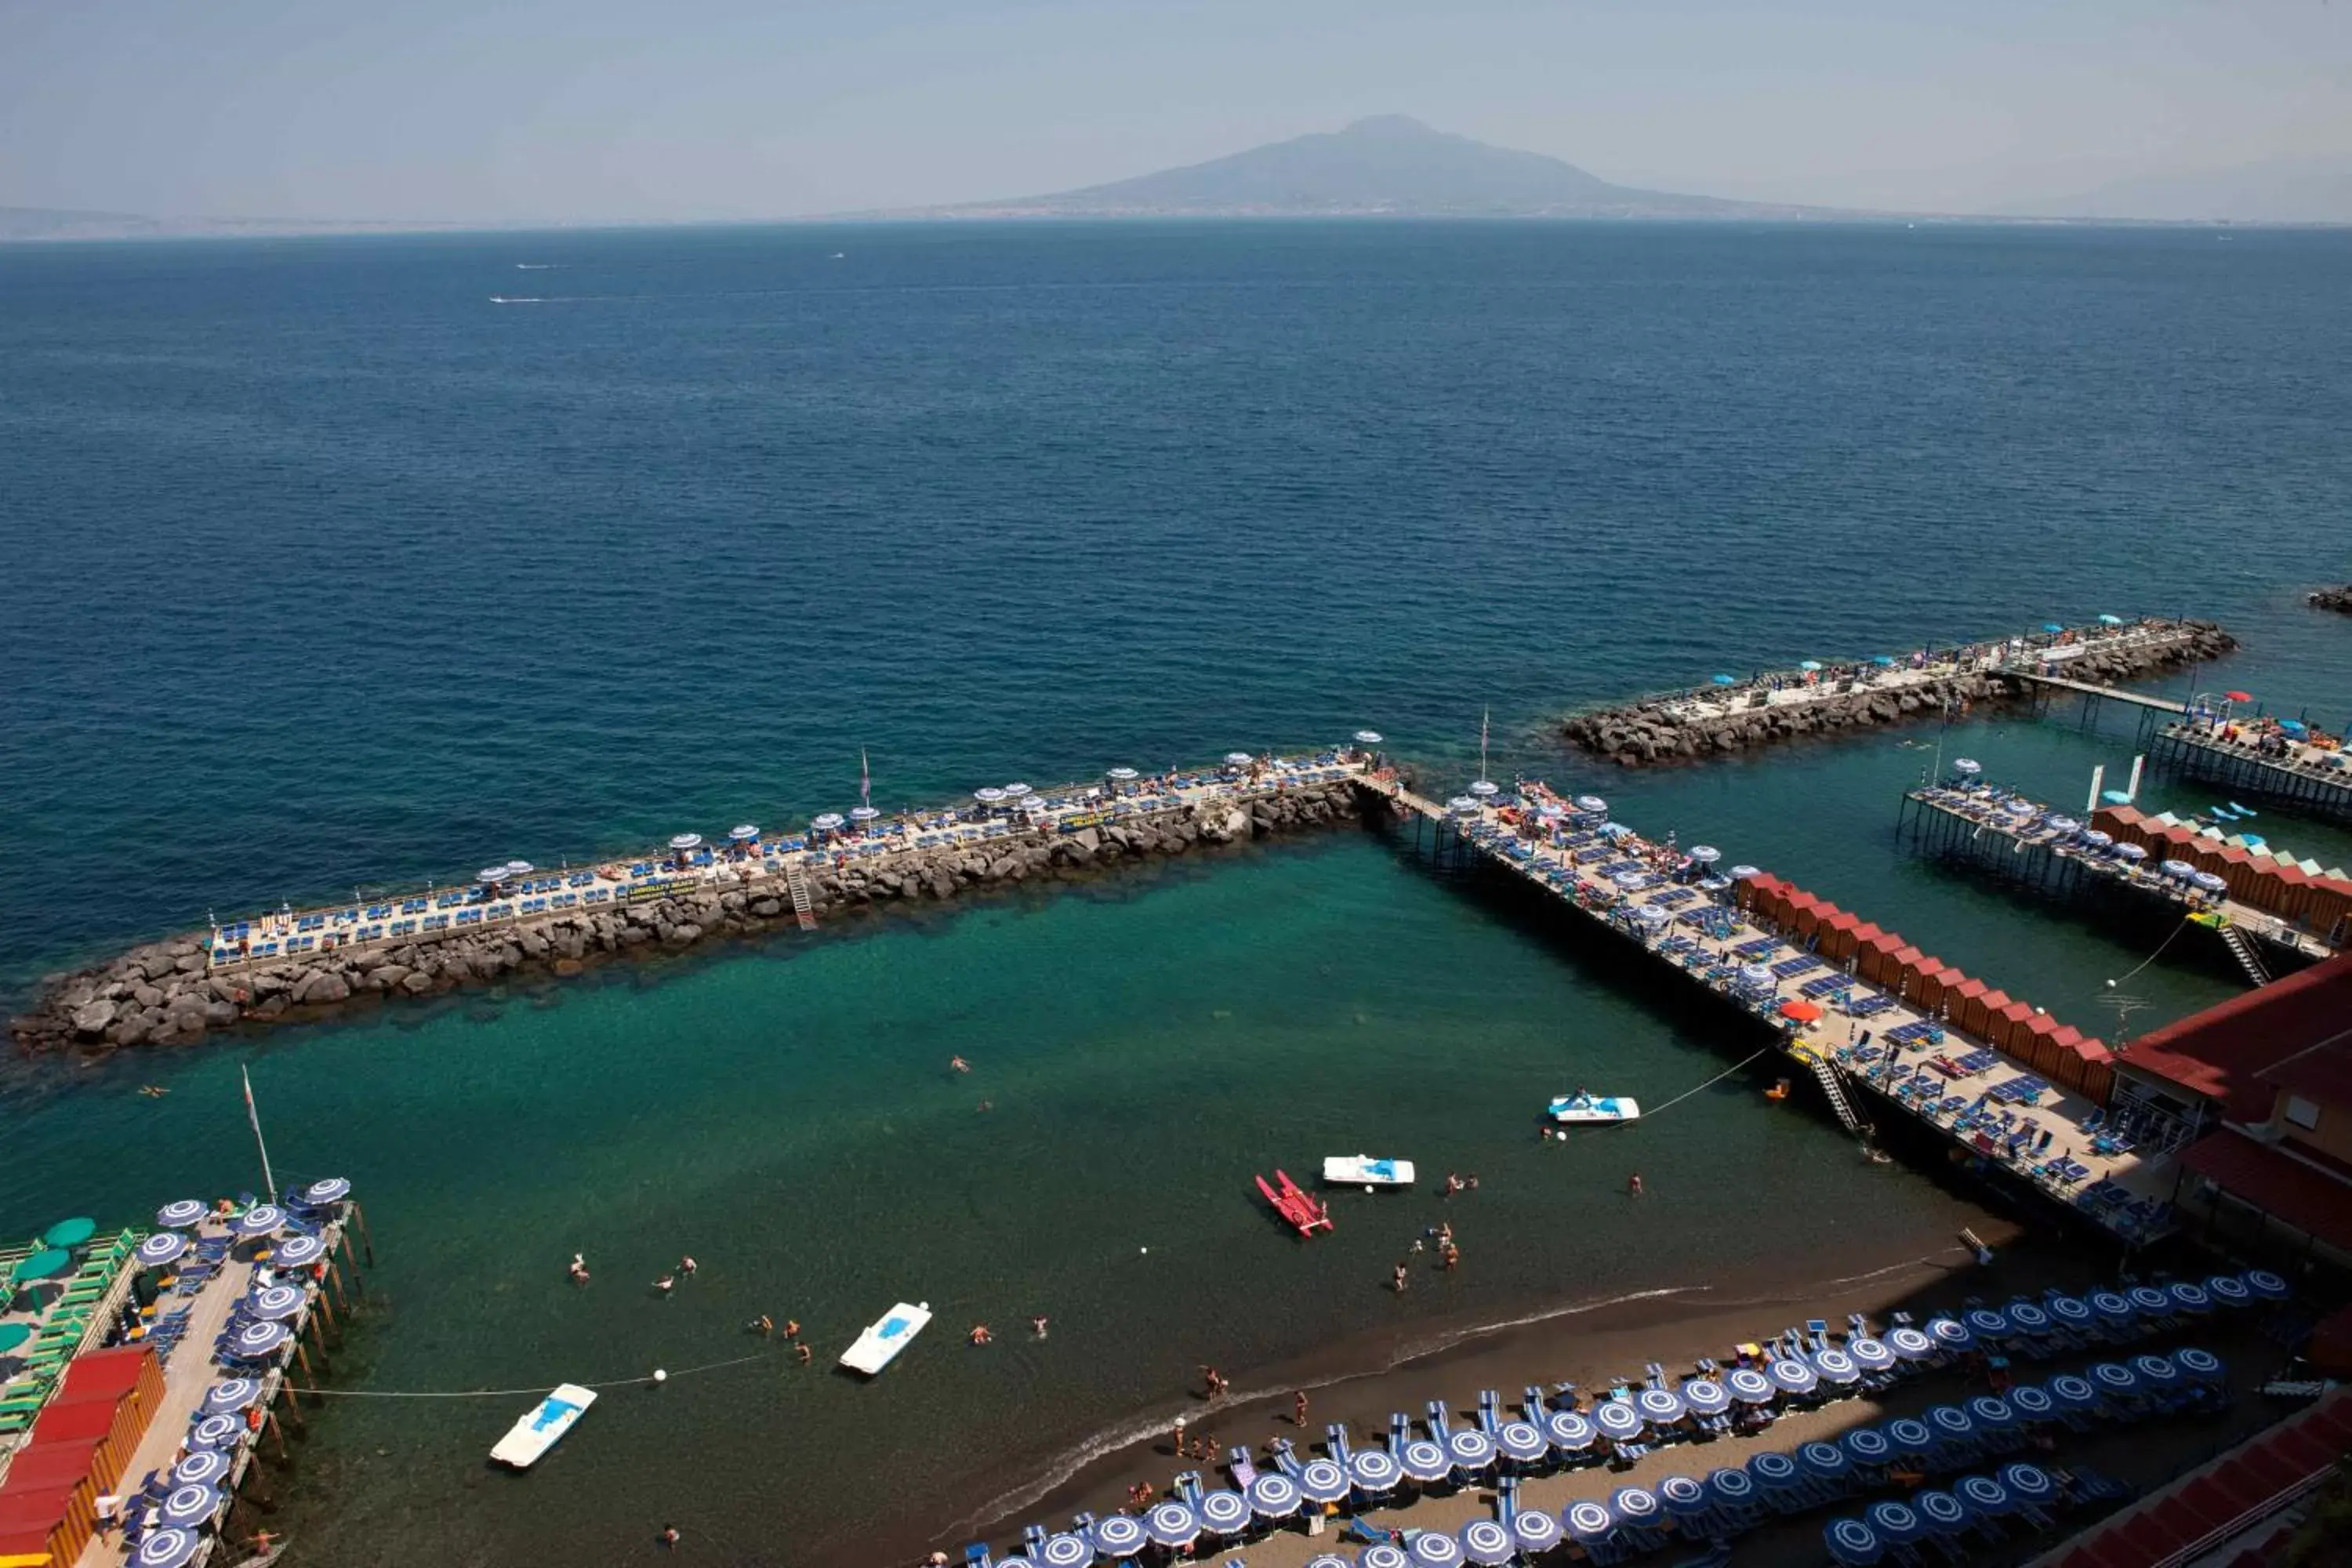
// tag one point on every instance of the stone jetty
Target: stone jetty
(2338, 598)
(1827, 700)
(176, 991)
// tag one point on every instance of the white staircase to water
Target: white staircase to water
(1836, 1093)
(798, 884)
(2242, 948)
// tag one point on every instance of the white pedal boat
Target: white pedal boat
(528, 1441)
(1363, 1171)
(889, 1336)
(1581, 1108)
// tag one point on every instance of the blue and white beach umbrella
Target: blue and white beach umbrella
(1793, 1375)
(231, 1394)
(2113, 1305)
(1951, 1421)
(2115, 1377)
(684, 841)
(1424, 1460)
(1485, 1542)
(1940, 1511)
(182, 1212)
(1619, 1419)
(1748, 1386)
(1588, 1521)
(1171, 1524)
(833, 821)
(1463, 805)
(1867, 1446)
(258, 1339)
(2027, 1318)
(1520, 1442)
(1895, 1522)
(219, 1430)
(1986, 1323)
(1274, 1496)
(1222, 1511)
(1684, 1496)
(2154, 1368)
(1538, 1530)
(1660, 1406)
(1992, 1412)
(1909, 1435)
(1824, 1459)
(1634, 1505)
(1383, 1554)
(2032, 1401)
(202, 1468)
(744, 832)
(2031, 1482)
(296, 1252)
(166, 1548)
(1950, 1333)
(1322, 1481)
(2199, 1364)
(1731, 1487)
(1119, 1535)
(1570, 1430)
(1434, 1549)
(2266, 1285)
(273, 1301)
(1706, 1396)
(1852, 1542)
(1985, 1495)
(2073, 1392)
(2228, 1289)
(1470, 1449)
(1067, 1549)
(1015, 1561)
(1772, 1471)
(1375, 1469)
(1870, 1355)
(160, 1248)
(1368, 737)
(189, 1506)
(1910, 1343)
(2189, 1298)
(258, 1220)
(2147, 1299)
(1837, 1365)
(2071, 1311)
(1591, 803)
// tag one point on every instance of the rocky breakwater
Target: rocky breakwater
(2338, 598)
(165, 994)
(1685, 727)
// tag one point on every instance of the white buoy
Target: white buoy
(660, 1376)
(1143, 1251)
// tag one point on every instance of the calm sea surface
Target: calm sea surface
(324, 569)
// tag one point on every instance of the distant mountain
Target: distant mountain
(1389, 166)
(50, 223)
(2284, 191)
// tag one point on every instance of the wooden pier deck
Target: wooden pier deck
(2094, 691)
(1889, 1083)
(2308, 777)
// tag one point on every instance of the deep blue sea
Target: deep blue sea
(346, 562)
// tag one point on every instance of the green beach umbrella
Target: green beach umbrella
(40, 1266)
(14, 1334)
(71, 1232)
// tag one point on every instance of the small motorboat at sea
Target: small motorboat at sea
(1292, 1203)
(528, 1441)
(1582, 1108)
(885, 1338)
(1363, 1171)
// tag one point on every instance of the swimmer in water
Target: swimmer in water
(958, 1064)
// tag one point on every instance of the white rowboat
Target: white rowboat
(530, 1439)
(1580, 1110)
(889, 1336)
(1363, 1171)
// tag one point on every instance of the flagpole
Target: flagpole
(1483, 716)
(253, 1114)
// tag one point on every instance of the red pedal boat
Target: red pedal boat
(1303, 1212)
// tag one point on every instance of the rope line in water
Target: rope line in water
(517, 1393)
(2184, 925)
(1652, 1115)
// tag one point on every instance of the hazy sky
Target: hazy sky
(613, 110)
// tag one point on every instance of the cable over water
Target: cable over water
(663, 1376)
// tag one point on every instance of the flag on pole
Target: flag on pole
(253, 1114)
(864, 780)
(1484, 714)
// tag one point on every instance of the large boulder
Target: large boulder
(95, 1018)
(683, 935)
(325, 987)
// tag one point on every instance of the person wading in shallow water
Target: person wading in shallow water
(1298, 1407)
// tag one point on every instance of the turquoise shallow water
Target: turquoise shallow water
(327, 570)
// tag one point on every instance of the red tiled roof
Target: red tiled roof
(2322, 1072)
(2220, 1052)
(2311, 1200)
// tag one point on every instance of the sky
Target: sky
(693, 110)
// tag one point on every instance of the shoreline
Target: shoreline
(1361, 1379)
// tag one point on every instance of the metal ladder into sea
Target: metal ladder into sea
(798, 884)
(1835, 1090)
(2248, 959)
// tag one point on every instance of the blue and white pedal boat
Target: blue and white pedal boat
(1363, 1171)
(530, 1439)
(1586, 1110)
(889, 1336)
